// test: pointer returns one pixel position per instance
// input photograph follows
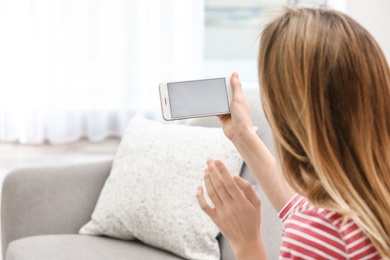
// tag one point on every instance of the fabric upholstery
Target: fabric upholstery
(150, 193)
(80, 247)
(50, 200)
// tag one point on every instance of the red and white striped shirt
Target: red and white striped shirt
(314, 233)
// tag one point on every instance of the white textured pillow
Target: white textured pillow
(150, 193)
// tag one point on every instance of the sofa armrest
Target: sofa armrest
(50, 200)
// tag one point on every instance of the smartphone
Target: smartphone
(195, 98)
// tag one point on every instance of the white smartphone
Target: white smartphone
(195, 98)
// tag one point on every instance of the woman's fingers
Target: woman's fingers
(223, 189)
(218, 183)
(248, 191)
(211, 191)
(228, 181)
(203, 203)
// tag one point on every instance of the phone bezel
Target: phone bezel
(165, 101)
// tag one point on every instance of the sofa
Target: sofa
(43, 208)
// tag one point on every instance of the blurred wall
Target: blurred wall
(234, 48)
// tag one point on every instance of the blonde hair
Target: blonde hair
(325, 88)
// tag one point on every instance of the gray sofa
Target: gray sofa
(43, 209)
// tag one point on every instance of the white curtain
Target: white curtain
(83, 68)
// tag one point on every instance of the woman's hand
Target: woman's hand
(239, 120)
(236, 210)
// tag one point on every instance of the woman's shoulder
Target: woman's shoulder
(299, 208)
(321, 234)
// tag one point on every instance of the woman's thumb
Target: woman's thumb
(248, 190)
(236, 85)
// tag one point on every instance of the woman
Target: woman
(325, 89)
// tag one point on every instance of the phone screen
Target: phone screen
(198, 97)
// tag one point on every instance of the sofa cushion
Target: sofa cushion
(150, 193)
(79, 247)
